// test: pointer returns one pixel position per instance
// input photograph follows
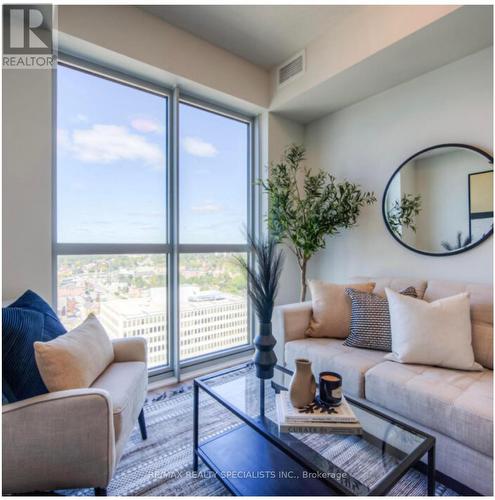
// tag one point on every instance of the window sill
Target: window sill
(166, 380)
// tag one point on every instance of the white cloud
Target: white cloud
(207, 207)
(110, 143)
(146, 125)
(80, 117)
(197, 147)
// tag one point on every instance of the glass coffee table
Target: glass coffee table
(241, 443)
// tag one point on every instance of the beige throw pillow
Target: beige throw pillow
(332, 308)
(76, 359)
(431, 333)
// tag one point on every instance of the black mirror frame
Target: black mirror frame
(438, 146)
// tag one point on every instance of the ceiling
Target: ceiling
(465, 31)
(266, 35)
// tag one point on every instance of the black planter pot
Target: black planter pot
(264, 358)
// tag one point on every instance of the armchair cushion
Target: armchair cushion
(25, 321)
(76, 359)
(126, 383)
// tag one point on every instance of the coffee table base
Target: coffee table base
(233, 454)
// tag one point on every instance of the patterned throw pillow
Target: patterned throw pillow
(370, 321)
(27, 320)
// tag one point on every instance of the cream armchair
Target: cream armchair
(75, 438)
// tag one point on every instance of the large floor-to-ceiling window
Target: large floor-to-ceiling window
(152, 206)
(213, 199)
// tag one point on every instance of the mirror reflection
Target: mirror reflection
(441, 200)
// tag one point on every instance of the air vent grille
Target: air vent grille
(291, 69)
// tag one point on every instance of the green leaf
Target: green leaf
(305, 206)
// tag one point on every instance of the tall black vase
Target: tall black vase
(264, 358)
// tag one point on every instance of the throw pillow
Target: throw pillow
(25, 321)
(76, 359)
(332, 309)
(370, 320)
(7, 394)
(33, 302)
(431, 333)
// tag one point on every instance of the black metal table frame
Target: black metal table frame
(380, 489)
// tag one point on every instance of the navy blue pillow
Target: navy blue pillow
(33, 302)
(24, 322)
(7, 394)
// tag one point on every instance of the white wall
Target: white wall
(26, 182)
(146, 40)
(278, 134)
(364, 32)
(367, 141)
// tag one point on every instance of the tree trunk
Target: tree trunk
(304, 285)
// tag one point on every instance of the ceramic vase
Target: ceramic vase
(264, 357)
(302, 388)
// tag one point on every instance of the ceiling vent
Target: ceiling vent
(292, 69)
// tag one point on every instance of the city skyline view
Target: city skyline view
(124, 288)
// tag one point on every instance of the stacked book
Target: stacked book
(314, 418)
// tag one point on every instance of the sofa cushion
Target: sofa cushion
(483, 343)
(481, 298)
(458, 404)
(332, 355)
(126, 382)
(396, 284)
(480, 295)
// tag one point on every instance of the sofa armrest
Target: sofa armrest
(130, 349)
(58, 440)
(289, 322)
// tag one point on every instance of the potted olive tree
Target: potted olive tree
(305, 206)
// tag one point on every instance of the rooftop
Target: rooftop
(157, 302)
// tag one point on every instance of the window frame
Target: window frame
(171, 249)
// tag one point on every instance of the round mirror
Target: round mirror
(440, 200)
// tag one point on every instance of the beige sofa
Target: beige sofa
(454, 406)
(75, 438)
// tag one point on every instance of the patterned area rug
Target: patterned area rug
(162, 465)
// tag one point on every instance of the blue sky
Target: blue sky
(111, 167)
